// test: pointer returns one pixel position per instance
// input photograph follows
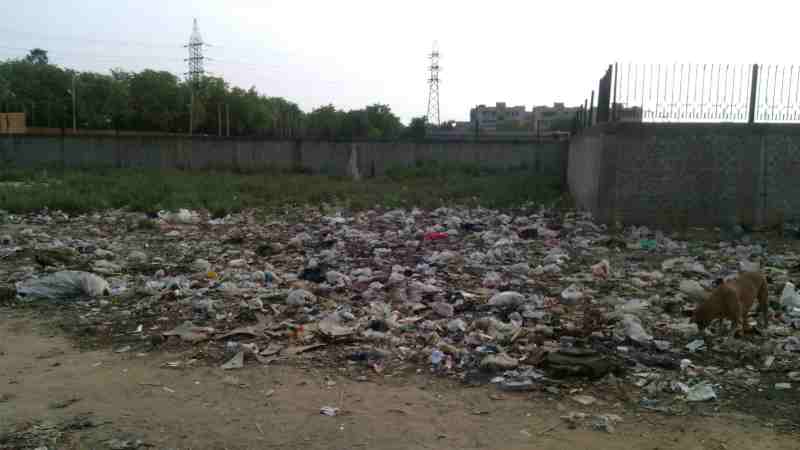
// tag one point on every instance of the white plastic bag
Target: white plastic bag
(635, 330)
(64, 285)
(571, 295)
(789, 297)
(183, 216)
(693, 289)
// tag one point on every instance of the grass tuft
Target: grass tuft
(221, 193)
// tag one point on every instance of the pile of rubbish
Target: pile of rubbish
(526, 300)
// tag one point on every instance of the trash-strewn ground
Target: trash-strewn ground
(451, 328)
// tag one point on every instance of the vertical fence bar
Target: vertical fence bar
(585, 113)
(751, 118)
(614, 113)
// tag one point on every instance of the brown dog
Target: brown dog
(732, 300)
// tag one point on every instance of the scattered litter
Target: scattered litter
(584, 400)
(524, 301)
(64, 285)
(237, 362)
(191, 333)
(696, 345)
(602, 269)
(329, 411)
(790, 298)
(701, 392)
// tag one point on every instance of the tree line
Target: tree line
(153, 100)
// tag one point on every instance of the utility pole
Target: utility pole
(228, 114)
(433, 87)
(74, 107)
(219, 119)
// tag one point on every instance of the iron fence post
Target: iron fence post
(753, 91)
(614, 101)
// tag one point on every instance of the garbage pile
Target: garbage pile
(526, 299)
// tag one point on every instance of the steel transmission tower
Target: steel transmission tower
(195, 59)
(196, 71)
(433, 87)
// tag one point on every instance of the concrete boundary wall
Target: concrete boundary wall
(333, 158)
(688, 174)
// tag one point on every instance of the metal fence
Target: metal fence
(681, 92)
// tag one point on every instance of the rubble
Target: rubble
(525, 298)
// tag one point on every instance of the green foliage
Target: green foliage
(159, 101)
(37, 56)
(375, 122)
(418, 128)
(428, 185)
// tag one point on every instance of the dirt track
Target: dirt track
(44, 379)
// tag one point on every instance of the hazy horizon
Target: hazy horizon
(351, 55)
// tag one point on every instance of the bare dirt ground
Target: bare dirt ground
(55, 396)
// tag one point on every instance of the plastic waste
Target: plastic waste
(435, 236)
(201, 266)
(508, 299)
(701, 392)
(64, 285)
(749, 266)
(436, 357)
(500, 361)
(696, 345)
(237, 362)
(790, 298)
(329, 411)
(183, 216)
(300, 297)
(571, 295)
(694, 290)
(443, 309)
(648, 244)
(602, 269)
(634, 329)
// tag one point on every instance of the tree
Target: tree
(383, 124)
(417, 128)
(155, 101)
(159, 101)
(37, 56)
(325, 123)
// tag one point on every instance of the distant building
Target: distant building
(629, 114)
(553, 118)
(12, 123)
(500, 116)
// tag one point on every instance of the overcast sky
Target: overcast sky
(352, 52)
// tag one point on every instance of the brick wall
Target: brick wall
(688, 174)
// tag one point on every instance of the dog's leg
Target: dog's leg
(763, 305)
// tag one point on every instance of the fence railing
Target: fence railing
(681, 92)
